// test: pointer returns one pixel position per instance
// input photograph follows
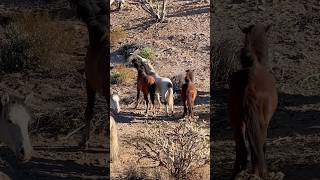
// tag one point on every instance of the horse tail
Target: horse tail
(114, 142)
(169, 96)
(253, 122)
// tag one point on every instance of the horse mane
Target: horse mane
(189, 76)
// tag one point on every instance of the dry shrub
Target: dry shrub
(224, 61)
(181, 150)
(271, 176)
(33, 39)
(121, 74)
(134, 173)
(116, 35)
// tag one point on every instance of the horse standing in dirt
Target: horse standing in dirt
(146, 84)
(14, 122)
(252, 101)
(188, 94)
(114, 142)
(97, 61)
(164, 85)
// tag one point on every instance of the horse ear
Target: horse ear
(28, 98)
(246, 29)
(5, 99)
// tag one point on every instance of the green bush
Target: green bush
(146, 53)
(116, 78)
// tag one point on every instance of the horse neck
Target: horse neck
(259, 46)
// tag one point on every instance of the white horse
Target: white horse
(119, 2)
(114, 103)
(14, 122)
(114, 142)
(164, 85)
(3, 176)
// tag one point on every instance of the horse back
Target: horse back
(255, 83)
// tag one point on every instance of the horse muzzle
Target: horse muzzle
(23, 155)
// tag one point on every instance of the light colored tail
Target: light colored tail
(114, 142)
(169, 96)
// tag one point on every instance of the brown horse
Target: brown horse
(97, 62)
(252, 101)
(146, 84)
(188, 94)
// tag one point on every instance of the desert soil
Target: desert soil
(180, 44)
(293, 144)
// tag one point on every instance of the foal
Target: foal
(146, 84)
(252, 101)
(188, 94)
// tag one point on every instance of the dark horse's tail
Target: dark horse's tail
(254, 131)
(152, 91)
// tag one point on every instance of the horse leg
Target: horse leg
(138, 96)
(237, 162)
(147, 102)
(185, 108)
(91, 95)
(159, 101)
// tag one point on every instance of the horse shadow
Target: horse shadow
(52, 169)
(191, 11)
(136, 117)
(287, 120)
(296, 115)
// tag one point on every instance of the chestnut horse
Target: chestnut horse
(97, 62)
(252, 101)
(146, 84)
(188, 94)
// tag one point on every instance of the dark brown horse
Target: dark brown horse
(252, 101)
(95, 13)
(188, 94)
(146, 84)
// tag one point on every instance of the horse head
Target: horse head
(14, 122)
(255, 45)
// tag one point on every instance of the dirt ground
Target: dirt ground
(179, 44)
(294, 134)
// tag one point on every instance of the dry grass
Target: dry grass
(134, 173)
(122, 74)
(116, 35)
(181, 150)
(224, 61)
(33, 40)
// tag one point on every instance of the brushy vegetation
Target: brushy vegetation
(147, 53)
(224, 61)
(121, 74)
(116, 35)
(32, 40)
(181, 150)
(134, 173)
